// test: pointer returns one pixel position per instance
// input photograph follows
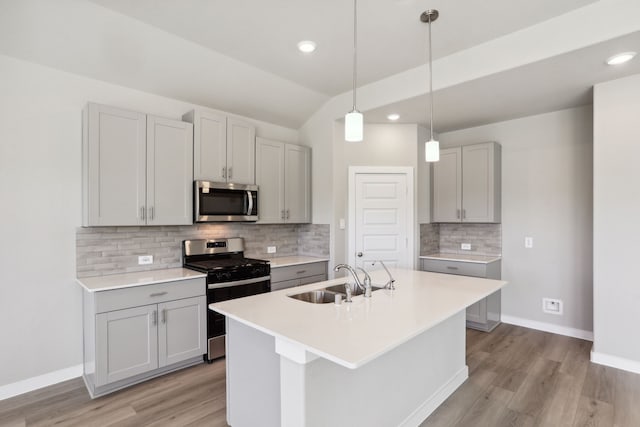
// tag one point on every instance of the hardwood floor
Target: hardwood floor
(518, 377)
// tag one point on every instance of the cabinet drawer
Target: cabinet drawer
(118, 299)
(279, 274)
(284, 284)
(313, 279)
(455, 267)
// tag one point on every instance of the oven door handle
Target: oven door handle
(238, 282)
(250, 202)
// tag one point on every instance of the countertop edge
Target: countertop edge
(303, 260)
(195, 275)
(460, 258)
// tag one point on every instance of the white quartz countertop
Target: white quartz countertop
(287, 261)
(356, 333)
(480, 259)
(140, 278)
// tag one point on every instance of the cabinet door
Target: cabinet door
(477, 312)
(209, 145)
(478, 183)
(114, 166)
(169, 172)
(241, 152)
(447, 186)
(297, 183)
(126, 343)
(270, 180)
(182, 330)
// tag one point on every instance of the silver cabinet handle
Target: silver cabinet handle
(154, 317)
(230, 171)
(287, 214)
(359, 254)
(142, 216)
(301, 272)
(464, 213)
(158, 294)
(451, 268)
(224, 172)
(151, 213)
(250, 200)
(164, 315)
(458, 213)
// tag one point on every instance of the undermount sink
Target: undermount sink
(328, 294)
(319, 296)
(355, 290)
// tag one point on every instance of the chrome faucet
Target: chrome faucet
(366, 287)
(391, 283)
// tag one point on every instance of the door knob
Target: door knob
(359, 254)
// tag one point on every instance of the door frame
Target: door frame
(411, 206)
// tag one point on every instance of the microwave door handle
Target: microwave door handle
(250, 202)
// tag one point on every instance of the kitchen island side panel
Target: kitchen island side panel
(253, 377)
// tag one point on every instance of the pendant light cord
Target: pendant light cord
(430, 82)
(355, 44)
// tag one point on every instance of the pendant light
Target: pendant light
(353, 121)
(431, 147)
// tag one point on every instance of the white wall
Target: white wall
(40, 155)
(547, 195)
(616, 224)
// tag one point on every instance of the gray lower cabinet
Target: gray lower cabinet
(133, 334)
(298, 275)
(485, 314)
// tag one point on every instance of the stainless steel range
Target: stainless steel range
(229, 275)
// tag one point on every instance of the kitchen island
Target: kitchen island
(388, 360)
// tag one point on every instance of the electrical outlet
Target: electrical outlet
(271, 249)
(145, 259)
(528, 242)
(465, 246)
(552, 306)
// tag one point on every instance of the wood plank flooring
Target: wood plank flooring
(518, 377)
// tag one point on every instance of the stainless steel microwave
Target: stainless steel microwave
(222, 201)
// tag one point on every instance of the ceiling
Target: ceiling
(391, 36)
(240, 56)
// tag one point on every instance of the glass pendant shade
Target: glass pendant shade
(432, 151)
(353, 126)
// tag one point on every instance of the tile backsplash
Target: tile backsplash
(111, 250)
(485, 239)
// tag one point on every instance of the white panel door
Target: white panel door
(270, 180)
(381, 226)
(241, 152)
(297, 183)
(182, 330)
(209, 146)
(447, 186)
(169, 172)
(115, 154)
(126, 343)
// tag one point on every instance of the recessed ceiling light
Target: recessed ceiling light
(393, 117)
(621, 58)
(306, 46)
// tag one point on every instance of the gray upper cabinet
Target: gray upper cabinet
(224, 147)
(137, 169)
(466, 184)
(283, 176)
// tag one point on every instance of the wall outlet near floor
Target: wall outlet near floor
(465, 246)
(145, 259)
(528, 242)
(552, 306)
(271, 249)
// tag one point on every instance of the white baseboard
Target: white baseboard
(548, 327)
(34, 383)
(616, 362)
(436, 399)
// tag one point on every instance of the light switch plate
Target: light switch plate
(145, 259)
(465, 246)
(528, 242)
(271, 249)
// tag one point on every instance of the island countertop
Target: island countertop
(352, 334)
